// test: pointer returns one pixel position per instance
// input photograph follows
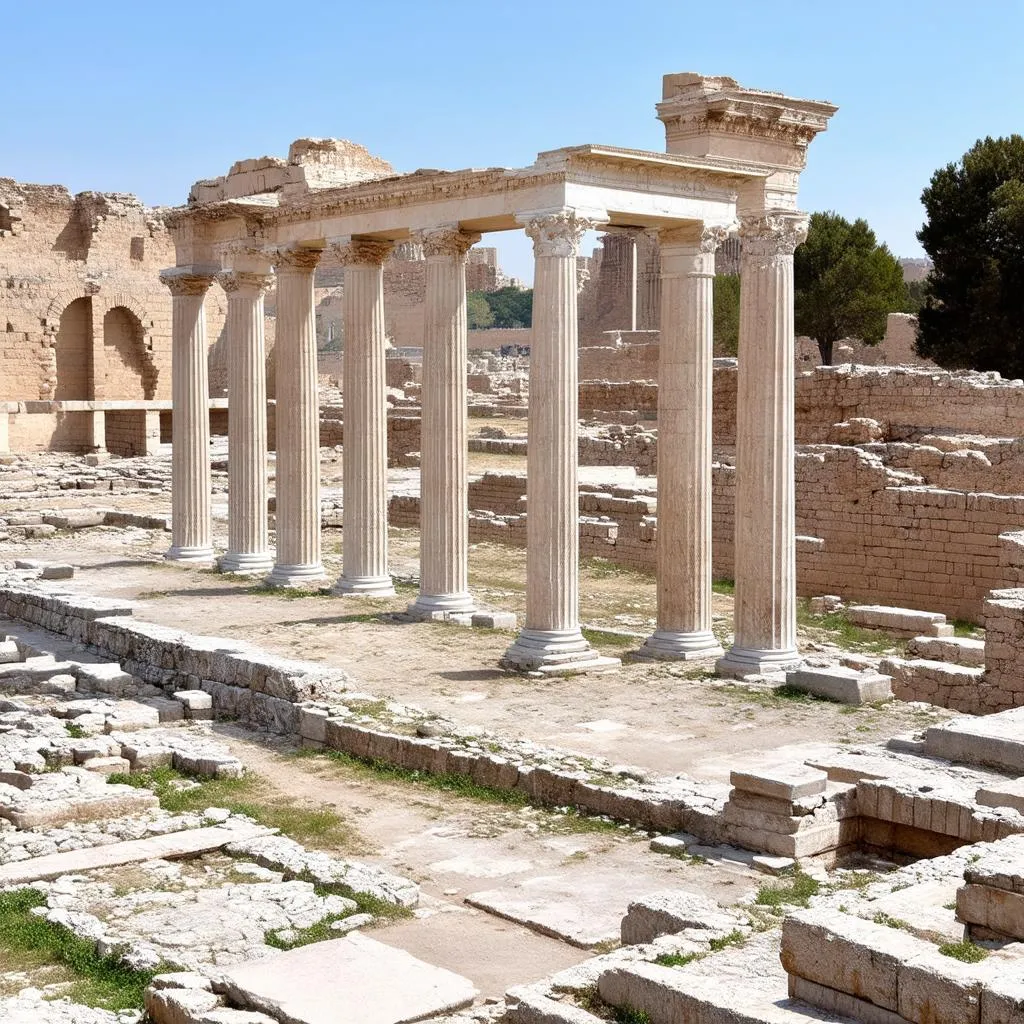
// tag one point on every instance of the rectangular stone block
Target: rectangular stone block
(790, 782)
(939, 989)
(841, 684)
(994, 909)
(854, 956)
(833, 1001)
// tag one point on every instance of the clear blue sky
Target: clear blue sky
(144, 97)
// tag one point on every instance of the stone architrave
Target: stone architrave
(765, 604)
(444, 503)
(191, 525)
(365, 448)
(297, 423)
(551, 640)
(248, 536)
(686, 352)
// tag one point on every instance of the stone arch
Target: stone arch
(73, 351)
(128, 370)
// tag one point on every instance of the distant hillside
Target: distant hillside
(916, 269)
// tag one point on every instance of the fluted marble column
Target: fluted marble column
(684, 445)
(765, 606)
(364, 457)
(297, 422)
(191, 526)
(551, 639)
(444, 503)
(248, 538)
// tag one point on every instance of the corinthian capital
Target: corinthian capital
(558, 232)
(362, 250)
(449, 240)
(294, 257)
(702, 238)
(772, 234)
(245, 281)
(183, 281)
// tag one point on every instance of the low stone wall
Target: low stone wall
(1004, 643)
(866, 534)
(403, 435)
(243, 681)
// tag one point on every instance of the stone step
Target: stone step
(841, 684)
(957, 650)
(995, 740)
(740, 985)
(907, 622)
(188, 843)
(353, 980)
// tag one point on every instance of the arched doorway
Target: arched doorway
(74, 352)
(124, 363)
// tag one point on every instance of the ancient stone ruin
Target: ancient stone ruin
(738, 734)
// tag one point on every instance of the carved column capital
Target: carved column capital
(698, 236)
(294, 257)
(447, 241)
(245, 281)
(559, 232)
(182, 281)
(769, 235)
(362, 250)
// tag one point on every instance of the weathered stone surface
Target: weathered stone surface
(177, 844)
(996, 740)
(841, 684)
(666, 913)
(349, 979)
(791, 782)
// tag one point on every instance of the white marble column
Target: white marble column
(551, 640)
(365, 449)
(684, 445)
(191, 526)
(765, 605)
(444, 502)
(297, 423)
(248, 538)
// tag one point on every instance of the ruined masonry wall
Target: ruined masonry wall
(863, 534)
(243, 681)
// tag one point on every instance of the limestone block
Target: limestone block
(900, 621)
(532, 1007)
(107, 765)
(1002, 1001)
(939, 989)
(841, 684)
(313, 724)
(179, 1005)
(9, 652)
(860, 958)
(791, 782)
(1002, 794)
(841, 1003)
(996, 740)
(198, 704)
(995, 910)
(955, 649)
(670, 912)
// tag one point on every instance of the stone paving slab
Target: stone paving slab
(187, 843)
(582, 916)
(354, 980)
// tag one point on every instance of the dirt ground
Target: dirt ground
(666, 717)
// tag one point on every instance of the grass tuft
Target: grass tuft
(891, 922)
(677, 959)
(965, 950)
(26, 939)
(75, 731)
(796, 893)
(311, 826)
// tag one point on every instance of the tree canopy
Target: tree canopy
(508, 307)
(727, 314)
(846, 284)
(973, 314)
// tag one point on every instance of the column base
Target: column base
(755, 661)
(243, 562)
(675, 645)
(365, 586)
(434, 607)
(183, 553)
(554, 652)
(309, 575)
